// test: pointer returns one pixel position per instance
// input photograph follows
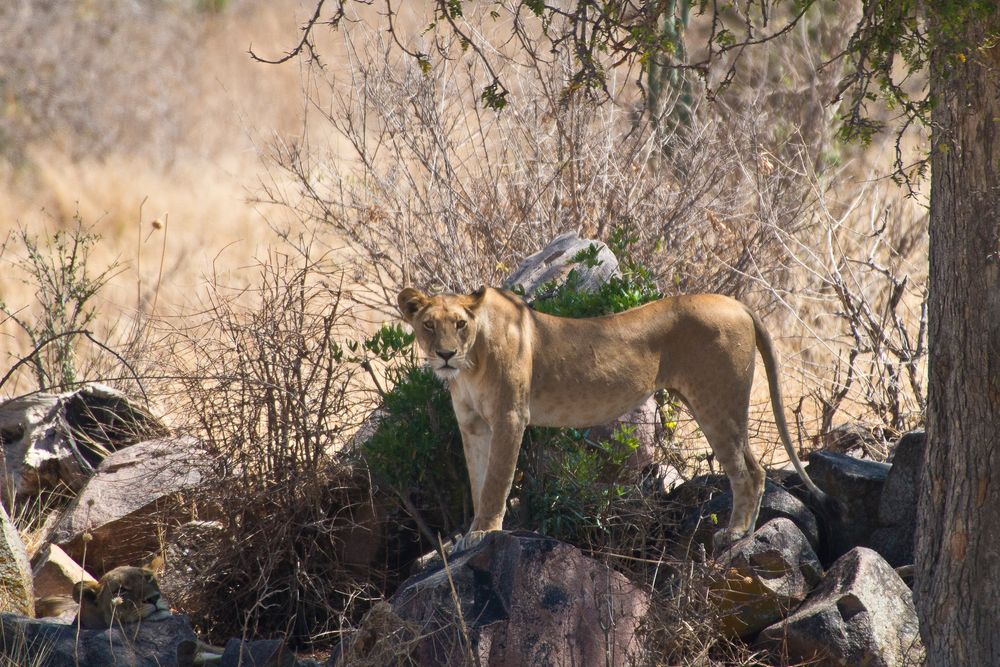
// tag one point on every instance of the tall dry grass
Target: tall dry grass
(88, 127)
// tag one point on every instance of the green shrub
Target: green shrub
(634, 287)
(570, 482)
(417, 449)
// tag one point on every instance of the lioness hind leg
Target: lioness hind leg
(746, 481)
(746, 476)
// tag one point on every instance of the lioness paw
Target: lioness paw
(467, 541)
(725, 538)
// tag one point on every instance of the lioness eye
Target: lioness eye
(429, 325)
(460, 324)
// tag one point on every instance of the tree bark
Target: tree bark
(958, 535)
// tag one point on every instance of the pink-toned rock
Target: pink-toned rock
(133, 495)
(55, 573)
(861, 614)
(763, 577)
(524, 600)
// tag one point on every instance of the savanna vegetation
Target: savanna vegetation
(226, 237)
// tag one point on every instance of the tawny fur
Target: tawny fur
(509, 366)
(123, 595)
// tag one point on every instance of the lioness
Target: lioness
(509, 366)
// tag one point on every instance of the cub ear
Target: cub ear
(410, 301)
(85, 590)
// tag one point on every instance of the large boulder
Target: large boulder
(763, 577)
(706, 502)
(16, 593)
(897, 512)
(259, 653)
(515, 599)
(166, 643)
(861, 614)
(552, 265)
(55, 573)
(54, 440)
(857, 483)
(116, 519)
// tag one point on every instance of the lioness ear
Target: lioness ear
(476, 298)
(410, 301)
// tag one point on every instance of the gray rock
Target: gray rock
(55, 573)
(897, 513)
(51, 440)
(166, 643)
(132, 491)
(553, 263)
(861, 614)
(858, 484)
(763, 577)
(707, 504)
(16, 594)
(260, 653)
(523, 599)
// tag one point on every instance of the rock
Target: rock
(858, 484)
(16, 593)
(662, 478)
(524, 600)
(55, 573)
(897, 512)
(261, 653)
(861, 614)
(132, 493)
(166, 643)
(553, 263)
(707, 503)
(50, 440)
(764, 576)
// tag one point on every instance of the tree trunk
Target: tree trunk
(958, 536)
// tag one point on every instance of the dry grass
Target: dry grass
(190, 150)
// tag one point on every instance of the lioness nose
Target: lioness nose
(445, 354)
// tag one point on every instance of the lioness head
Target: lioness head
(445, 327)
(123, 595)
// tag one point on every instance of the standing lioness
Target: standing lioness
(509, 366)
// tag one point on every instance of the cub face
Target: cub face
(445, 327)
(123, 595)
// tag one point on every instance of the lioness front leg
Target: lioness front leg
(505, 443)
(476, 447)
